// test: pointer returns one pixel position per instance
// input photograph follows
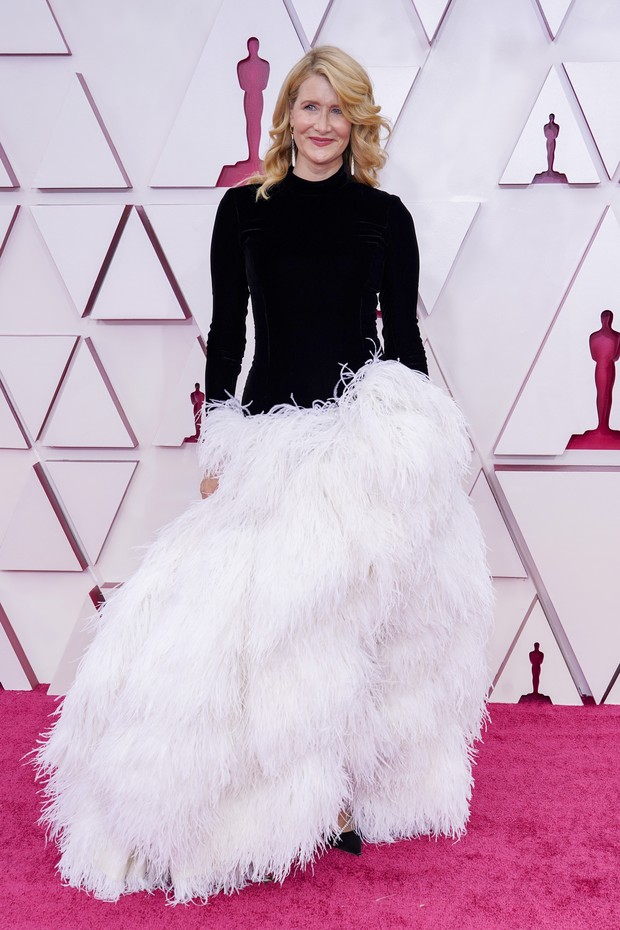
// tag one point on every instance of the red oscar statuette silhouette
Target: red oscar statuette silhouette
(535, 697)
(551, 131)
(605, 350)
(197, 398)
(253, 76)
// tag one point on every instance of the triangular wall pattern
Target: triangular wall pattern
(16, 672)
(11, 433)
(78, 237)
(37, 537)
(183, 230)
(582, 509)
(177, 420)
(311, 14)
(504, 560)
(194, 155)
(80, 154)
(441, 229)
(87, 412)
(80, 638)
(558, 399)
(514, 600)
(8, 178)
(432, 14)
(554, 13)
(137, 282)
(613, 697)
(597, 88)
(529, 157)
(516, 677)
(32, 368)
(392, 86)
(29, 27)
(91, 494)
(8, 215)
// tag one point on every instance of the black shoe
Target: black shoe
(350, 842)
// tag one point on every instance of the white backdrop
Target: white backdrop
(116, 117)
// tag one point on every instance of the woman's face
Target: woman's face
(320, 129)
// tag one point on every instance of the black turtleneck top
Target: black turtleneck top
(313, 258)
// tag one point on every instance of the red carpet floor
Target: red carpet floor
(543, 848)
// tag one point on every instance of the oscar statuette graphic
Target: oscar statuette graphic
(550, 176)
(197, 398)
(535, 697)
(605, 352)
(253, 75)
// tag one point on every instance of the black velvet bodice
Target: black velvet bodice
(313, 258)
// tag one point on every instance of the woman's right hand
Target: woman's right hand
(208, 485)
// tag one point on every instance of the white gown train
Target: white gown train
(309, 639)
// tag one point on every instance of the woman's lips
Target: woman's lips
(319, 141)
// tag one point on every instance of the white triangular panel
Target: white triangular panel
(381, 34)
(177, 420)
(78, 237)
(311, 14)
(569, 520)
(195, 152)
(555, 678)
(86, 413)
(431, 13)
(8, 215)
(441, 229)
(34, 539)
(559, 397)
(16, 673)
(135, 286)
(12, 675)
(391, 87)
(91, 493)
(79, 640)
(8, 181)
(554, 13)
(80, 154)
(530, 154)
(28, 27)
(597, 87)
(31, 368)
(504, 560)
(11, 436)
(434, 371)
(183, 230)
(614, 695)
(513, 602)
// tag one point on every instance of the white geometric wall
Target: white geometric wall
(116, 118)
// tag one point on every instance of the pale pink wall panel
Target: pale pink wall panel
(124, 271)
(29, 27)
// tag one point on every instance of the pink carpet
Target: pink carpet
(543, 848)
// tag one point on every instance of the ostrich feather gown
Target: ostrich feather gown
(308, 639)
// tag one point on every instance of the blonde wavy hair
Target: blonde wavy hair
(364, 156)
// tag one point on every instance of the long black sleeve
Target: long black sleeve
(398, 295)
(226, 339)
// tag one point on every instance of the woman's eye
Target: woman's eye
(337, 111)
(309, 106)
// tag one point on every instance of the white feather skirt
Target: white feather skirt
(309, 639)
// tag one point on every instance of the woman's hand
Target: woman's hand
(208, 485)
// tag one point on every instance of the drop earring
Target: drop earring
(352, 166)
(292, 149)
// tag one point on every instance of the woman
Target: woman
(303, 651)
